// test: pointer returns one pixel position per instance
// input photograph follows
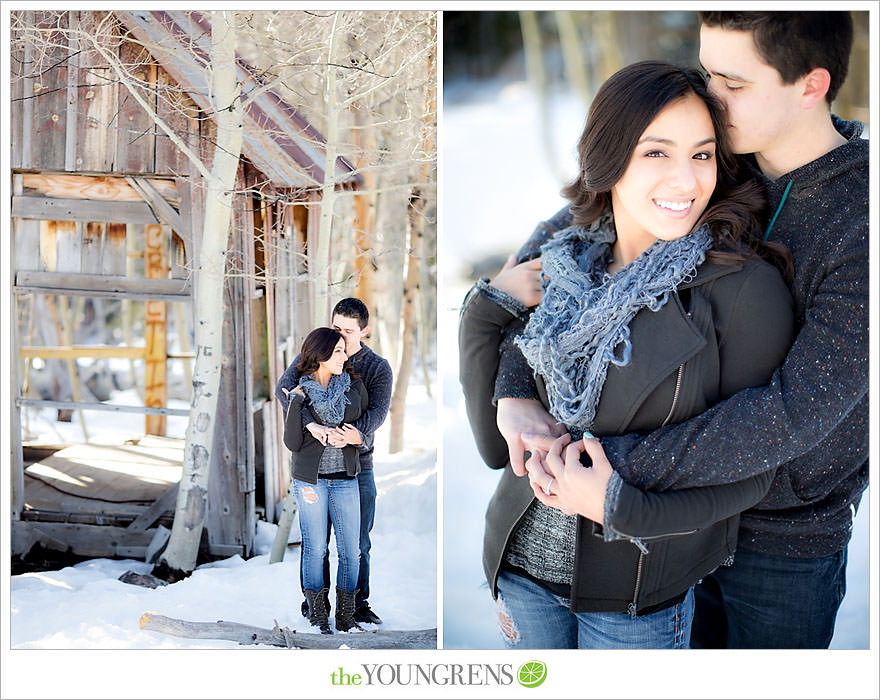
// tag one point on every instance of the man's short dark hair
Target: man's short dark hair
(794, 43)
(350, 307)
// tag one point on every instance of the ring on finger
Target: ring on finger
(549, 484)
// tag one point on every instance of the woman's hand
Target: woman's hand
(517, 416)
(346, 435)
(564, 483)
(319, 432)
(522, 282)
(298, 390)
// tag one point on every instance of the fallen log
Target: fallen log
(290, 639)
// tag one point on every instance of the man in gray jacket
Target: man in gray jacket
(777, 73)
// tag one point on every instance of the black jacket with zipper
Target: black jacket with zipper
(306, 449)
(726, 329)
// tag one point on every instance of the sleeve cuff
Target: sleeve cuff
(612, 495)
(503, 299)
(366, 441)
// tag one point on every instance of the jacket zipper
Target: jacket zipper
(633, 606)
(675, 395)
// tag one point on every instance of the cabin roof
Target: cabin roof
(278, 140)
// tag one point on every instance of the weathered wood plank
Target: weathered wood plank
(183, 187)
(156, 332)
(97, 187)
(135, 139)
(93, 247)
(101, 285)
(83, 540)
(69, 242)
(179, 112)
(114, 261)
(25, 236)
(162, 209)
(161, 505)
(73, 79)
(21, 90)
(284, 637)
(224, 498)
(89, 406)
(49, 116)
(48, 245)
(81, 210)
(68, 351)
(97, 109)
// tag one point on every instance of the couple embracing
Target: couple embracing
(701, 309)
(336, 394)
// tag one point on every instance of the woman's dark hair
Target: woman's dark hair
(318, 347)
(623, 108)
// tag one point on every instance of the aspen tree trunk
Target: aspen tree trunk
(319, 264)
(575, 66)
(533, 47)
(365, 212)
(412, 286)
(410, 319)
(192, 498)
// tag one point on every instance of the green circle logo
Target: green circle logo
(531, 674)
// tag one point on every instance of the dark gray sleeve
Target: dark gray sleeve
(293, 425)
(633, 513)
(289, 379)
(480, 328)
(378, 387)
(758, 429)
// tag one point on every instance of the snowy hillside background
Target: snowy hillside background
(496, 185)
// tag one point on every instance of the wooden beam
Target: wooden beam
(84, 540)
(102, 285)
(57, 209)
(164, 503)
(89, 406)
(68, 351)
(161, 208)
(100, 188)
(156, 331)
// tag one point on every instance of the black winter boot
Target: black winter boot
(325, 595)
(365, 614)
(345, 621)
(318, 614)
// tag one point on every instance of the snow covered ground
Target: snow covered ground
(496, 185)
(86, 607)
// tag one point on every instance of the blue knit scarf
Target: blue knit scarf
(582, 322)
(328, 404)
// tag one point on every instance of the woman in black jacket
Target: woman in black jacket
(654, 307)
(324, 475)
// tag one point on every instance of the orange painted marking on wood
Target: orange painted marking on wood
(156, 372)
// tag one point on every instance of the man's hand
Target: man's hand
(346, 435)
(517, 416)
(522, 282)
(318, 431)
(564, 482)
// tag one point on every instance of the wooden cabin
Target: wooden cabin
(106, 215)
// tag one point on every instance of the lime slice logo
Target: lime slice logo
(532, 673)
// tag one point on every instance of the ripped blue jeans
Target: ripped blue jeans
(340, 499)
(531, 617)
